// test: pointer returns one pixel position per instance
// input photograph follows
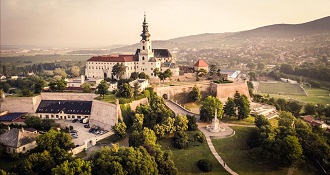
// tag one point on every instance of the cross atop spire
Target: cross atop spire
(145, 18)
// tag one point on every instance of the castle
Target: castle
(144, 60)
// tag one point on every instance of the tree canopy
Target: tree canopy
(209, 105)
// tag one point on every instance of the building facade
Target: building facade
(146, 59)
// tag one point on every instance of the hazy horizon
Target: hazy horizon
(103, 23)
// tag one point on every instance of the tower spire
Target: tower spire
(145, 32)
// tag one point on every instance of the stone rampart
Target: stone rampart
(104, 114)
(21, 104)
(68, 96)
(136, 103)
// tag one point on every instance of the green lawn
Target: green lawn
(234, 151)
(280, 88)
(186, 159)
(193, 107)
(110, 98)
(247, 121)
(315, 95)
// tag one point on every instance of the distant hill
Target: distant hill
(288, 30)
(216, 40)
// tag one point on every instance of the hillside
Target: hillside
(288, 30)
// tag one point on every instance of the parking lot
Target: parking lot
(83, 133)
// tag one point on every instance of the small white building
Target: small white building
(144, 83)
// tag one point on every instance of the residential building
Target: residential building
(18, 140)
(201, 64)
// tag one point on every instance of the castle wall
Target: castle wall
(68, 96)
(223, 91)
(104, 114)
(20, 104)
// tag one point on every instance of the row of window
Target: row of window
(112, 63)
(47, 116)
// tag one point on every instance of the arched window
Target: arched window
(143, 57)
(143, 47)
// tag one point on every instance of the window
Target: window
(52, 116)
(143, 47)
(142, 58)
(79, 116)
(56, 116)
(47, 116)
(40, 116)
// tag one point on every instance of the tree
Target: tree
(40, 84)
(230, 107)
(192, 125)
(164, 161)
(37, 163)
(310, 109)
(260, 66)
(123, 160)
(205, 165)
(118, 70)
(252, 76)
(201, 72)
(60, 72)
(33, 122)
(286, 119)
(138, 122)
(75, 71)
(119, 130)
(143, 75)
(86, 87)
(242, 104)
(213, 70)
(181, 123)
(286, 68)
(209, 105)
(168, 73)
(26, 92)
(180, 140)
(261, 121)
(136, 89)
(251, 65)
(53, 138)
(156, 71)
(161, 76)
(78, 166)
(291, 150)
(195, 94)
(134, 75)
(102, 88)
(294, 107)
(125, 90)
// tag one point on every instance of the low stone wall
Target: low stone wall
(90, 142)
(224, 91)
(136, 103)
(68, 96)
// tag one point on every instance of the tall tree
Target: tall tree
(230, 107)
(242, 104)
(143, 75)
(53, 138)
(78, 166)
(86, 87)
(156, 71)
(118, 70)
(209, 105)
(120, 130)
(195, 94)
(136, 89)
(125, 90)
(102, 88)
(213, 70)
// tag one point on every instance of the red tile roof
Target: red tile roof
(201, 63)
(114, 58)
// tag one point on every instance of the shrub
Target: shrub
(205, 165)
(124, 100)
(315, 84)
(200, 137)
(180, 140)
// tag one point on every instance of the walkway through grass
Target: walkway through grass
(186, 159)
(234, 151)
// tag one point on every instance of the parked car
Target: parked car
(81, 120)
(86, 126)
(74, 120)
(74, 135)
(73, 131)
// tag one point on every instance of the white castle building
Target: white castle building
(144, 60)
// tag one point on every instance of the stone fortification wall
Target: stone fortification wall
(136, 103)
(223, 91)
(104, 114)
(68, 96)
(172, 91)
(21, 104)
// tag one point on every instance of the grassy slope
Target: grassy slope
(234, 153)
(282, 88)
(247, 121)
(186, 159)
(110, 98)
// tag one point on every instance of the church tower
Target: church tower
(146, 49)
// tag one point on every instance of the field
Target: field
(43, 58)
(280, 88)
(234, 151)
(186, 159)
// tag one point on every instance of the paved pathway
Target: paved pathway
(201, 126)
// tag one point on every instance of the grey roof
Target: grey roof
(12, 116)
(16, 138)
(68, 106)
(162, 53)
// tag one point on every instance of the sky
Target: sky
(103, 23)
